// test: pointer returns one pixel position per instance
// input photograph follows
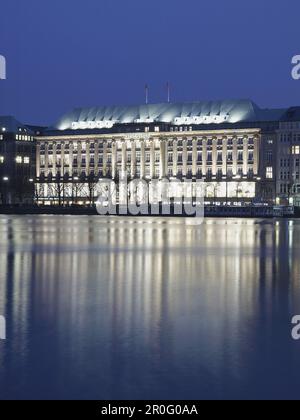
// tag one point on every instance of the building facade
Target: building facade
(17, 162)
(232, 146)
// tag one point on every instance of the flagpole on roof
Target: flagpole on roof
(146, 94)
(168, 92)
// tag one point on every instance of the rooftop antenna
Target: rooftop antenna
(168, 92)
(146, 94)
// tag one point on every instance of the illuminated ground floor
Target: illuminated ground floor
(154, 191)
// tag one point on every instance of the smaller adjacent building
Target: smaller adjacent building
(17, 162)
(288, 158)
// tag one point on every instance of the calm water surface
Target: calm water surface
(112, 308)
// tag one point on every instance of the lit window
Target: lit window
(156, 129)
(1, 159)
(19, 159)
(26, 159)
(269, 172)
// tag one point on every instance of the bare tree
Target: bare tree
(59, 189)
(92, 183)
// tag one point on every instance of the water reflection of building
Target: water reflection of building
(118, 300)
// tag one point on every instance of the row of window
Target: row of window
(83, 145)
(22, 137)
(296, 150)
(189, 172)
(287, 138)
(290, 125)
(286, 163)
(285, 188)
(18, 159)
(157, 157)
(24, 159)
(284, 175)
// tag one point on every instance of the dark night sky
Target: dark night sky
(62, 53)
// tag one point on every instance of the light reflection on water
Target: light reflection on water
(148, 308)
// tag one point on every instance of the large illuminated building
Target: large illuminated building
(232, 145)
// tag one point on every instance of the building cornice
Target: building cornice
(158, 135)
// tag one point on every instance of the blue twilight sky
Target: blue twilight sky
(67, 53)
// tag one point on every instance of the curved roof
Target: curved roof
(205, 112)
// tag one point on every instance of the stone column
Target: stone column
(133, 159)
(38, 162)
(114, 159)
(71, 158)
(256, 154)
(123, 166)
(245, 155)
(224, 155)
(184, 157)
(204, 156)
(46, 157)
(166, 156)
(234, 155)
(175, 157)
(194, 157)
(152, 159)
(62, 159)
(162, 159)
(142, 163)
(96, 158)
(54, 167)
(214, 154)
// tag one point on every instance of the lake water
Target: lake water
(150, 308)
